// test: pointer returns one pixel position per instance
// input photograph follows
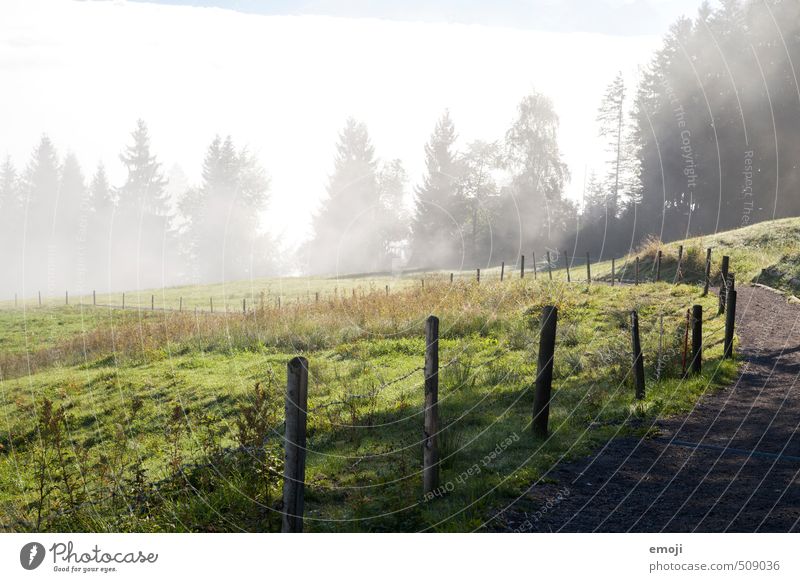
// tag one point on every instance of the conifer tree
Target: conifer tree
(11, 216)
(141, 235)
(40, 191)
(346, 235)
(438, 208)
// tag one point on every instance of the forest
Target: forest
(690, 149)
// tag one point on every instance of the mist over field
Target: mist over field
(149, 145)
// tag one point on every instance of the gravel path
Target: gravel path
(732, 464)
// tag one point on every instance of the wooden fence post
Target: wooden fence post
(566, 263)
(40, 298)
(660, 360)
(613, 271)
(686, 341)
(730, 322)
(451, 278)
(588, 268)
(123, 301)
(638, 359)
(479, 275)
(94, 297)
(658, 266)
(180, 304)
(533, 256)
(430, 445)
(502, 269)
(522, 267)
(729, 285)
(211, 302)
(66, 298)
(316, 297)
(244, 305)
(152, 302)
(549, 266)
(294, 473)
(697, 339)
(637, 272)
(387, 290)
(726, 262)
(544, 371)
(678, 272)
(707, 281)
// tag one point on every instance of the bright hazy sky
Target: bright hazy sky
(83, 72)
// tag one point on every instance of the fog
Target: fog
(147, 145)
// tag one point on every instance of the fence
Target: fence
(296, 400)
(295, 436)
(254, 302)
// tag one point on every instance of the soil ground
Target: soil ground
(731, 464)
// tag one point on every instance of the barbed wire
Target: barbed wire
(148, 490)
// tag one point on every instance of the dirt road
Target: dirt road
(731, 464)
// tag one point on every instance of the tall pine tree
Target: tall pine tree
(70, 226)
(141, 235)
(438, 207)
(40, 192)
(10, 227)
(221, 228)
(100, 232)
(346, 235)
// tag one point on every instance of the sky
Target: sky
(281, 77)
(617, 17)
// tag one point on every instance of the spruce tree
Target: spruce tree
(145, 183)
(101, 196)
(141, 234)
(70, 227)
(438, 207)
(346, 237)
(11, 216)
(40, 192)
(222, 215)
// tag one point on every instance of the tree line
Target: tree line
(709, 138)
(61, 231)
(473, 205)
(706, 140)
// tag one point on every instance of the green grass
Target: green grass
(25, 331)
(171, 395)
(136, 416)
(228, 296)
(768, 252)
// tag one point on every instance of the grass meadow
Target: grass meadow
(163, 421)
(159, 420)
